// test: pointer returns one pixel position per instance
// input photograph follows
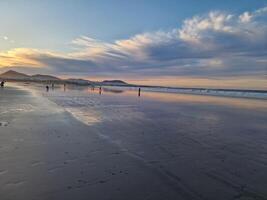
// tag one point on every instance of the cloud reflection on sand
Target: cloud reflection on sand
(165, 97)
(87, 105)
(205, 99)
(87, 117)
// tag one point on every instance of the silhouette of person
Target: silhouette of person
(2, 83)
(47, 88)
(139, 92)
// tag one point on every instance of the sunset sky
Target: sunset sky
(156, 42)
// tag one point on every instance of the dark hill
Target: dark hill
(14, 75)
(40, 77)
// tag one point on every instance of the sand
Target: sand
(82, 145)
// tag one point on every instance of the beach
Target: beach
(80, 144)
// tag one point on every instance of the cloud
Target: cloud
(19, 57)
(233, 42)
(34, 58)
(217, 43)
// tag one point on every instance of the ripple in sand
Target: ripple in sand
(53, 169)
(36, 163)
(15, 183)
(3, 172)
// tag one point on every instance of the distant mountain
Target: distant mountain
(14, 75)
(17, 76)
(114, 82)
(40, 77)
(78, 81)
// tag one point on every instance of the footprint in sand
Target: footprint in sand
(3, 123)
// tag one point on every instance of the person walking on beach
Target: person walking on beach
(2, 84)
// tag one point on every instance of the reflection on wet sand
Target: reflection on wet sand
(89, 117)
(168, 144)
(115, 91)
(248, 103)
(213, 100)
(195, 99)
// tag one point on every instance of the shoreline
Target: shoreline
(205, 91)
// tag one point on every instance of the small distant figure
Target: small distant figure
(100, 90)
(53, 86)
(47, 88)
(64, 87)
(139, 92)
(2, 84)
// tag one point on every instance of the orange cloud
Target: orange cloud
(19, 57)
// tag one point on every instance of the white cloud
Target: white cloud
(215, 43)
(217, 36)
(194, 29)
(245, 17)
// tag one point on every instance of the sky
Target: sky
(175, 43)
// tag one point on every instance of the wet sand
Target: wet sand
(120, 146)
